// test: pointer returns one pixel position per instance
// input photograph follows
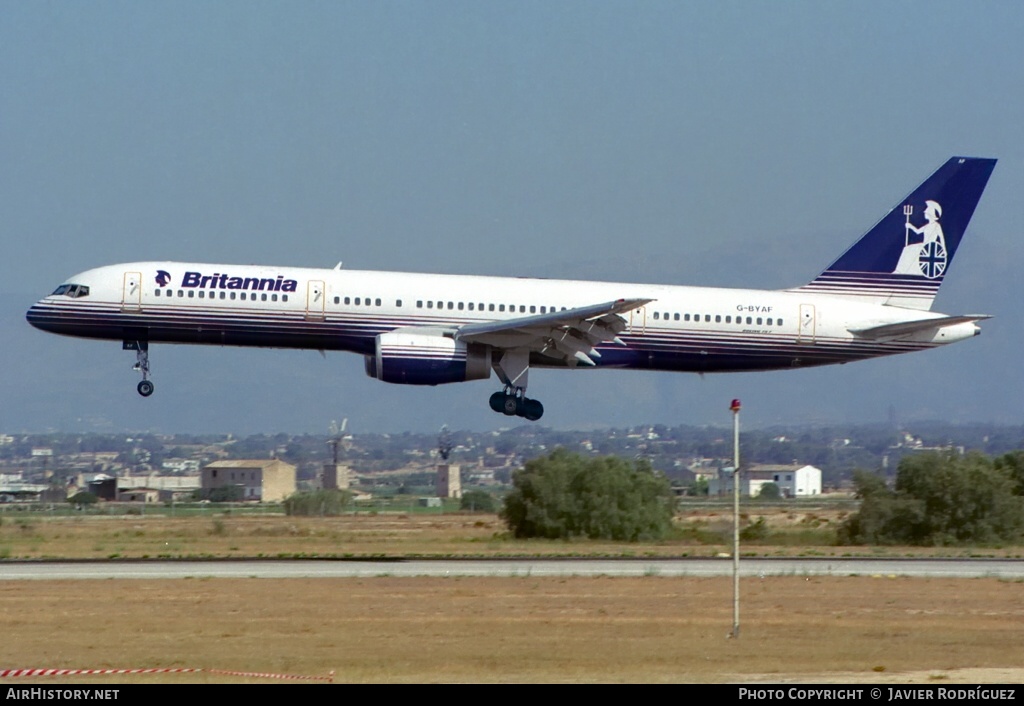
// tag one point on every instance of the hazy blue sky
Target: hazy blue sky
(727, 143)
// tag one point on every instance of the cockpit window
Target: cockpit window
(72, 290)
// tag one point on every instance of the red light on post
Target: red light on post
(735, 406)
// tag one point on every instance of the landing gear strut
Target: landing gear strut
(141, 349)
(513, 403)
(513, 368)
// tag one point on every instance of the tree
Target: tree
(564, 495)
(226, 494)
(318, 503)
(1013, 463)
(769, 491)
(478, 501)
(82, 499)
(938, 499)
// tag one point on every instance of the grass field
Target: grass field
(699, 532)
(485, 630)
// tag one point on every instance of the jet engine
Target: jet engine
(417, 358)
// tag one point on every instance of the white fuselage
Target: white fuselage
(696, 329)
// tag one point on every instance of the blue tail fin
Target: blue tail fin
(904, 258)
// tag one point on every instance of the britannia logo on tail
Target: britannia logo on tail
(924, 248)
(163, 278)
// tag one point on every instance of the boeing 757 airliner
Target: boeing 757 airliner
(428, 329)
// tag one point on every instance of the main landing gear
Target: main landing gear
(141, 349)
(513, 369)
(513, 403)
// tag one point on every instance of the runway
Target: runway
(1009, 569)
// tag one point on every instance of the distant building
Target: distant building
(794, 481)
(103, 486)
(267, 480)
(139, 495)
(801, 482)
(449, 481)
(336, 476)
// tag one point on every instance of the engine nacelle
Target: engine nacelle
(417, 358)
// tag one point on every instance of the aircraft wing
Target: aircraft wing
(905, 327)
(571, 334)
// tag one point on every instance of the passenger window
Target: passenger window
(232, 295)
(357, 301)
(460, 306)
(718, 318)
(191, 294)
(728, 319)
(769, 322)
(779, 322)
(263, 296)
(156, 292)
(368, 302)
(707, 318)
(398, 302)
(273, 297)
(202, 294)
(533, 309)
(655, 316)
(419, 303)
(501, 307)
(337, 300)
(430, 304)
(471, 306)
(490, 307)
(451, 305)
(376, 302)
(522, 308)
(749, 320)
(758, 320)
(181, 293)
(222, 294)
(686, 317)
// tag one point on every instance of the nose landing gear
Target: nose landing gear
(141, 349)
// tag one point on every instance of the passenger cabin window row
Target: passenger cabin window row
(718, 319)
(453, 306)
(232, 295)
(75, 290)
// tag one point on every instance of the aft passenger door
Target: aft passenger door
(131, 293)
(315, 299)
(807, 324)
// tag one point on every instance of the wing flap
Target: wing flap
(572, 334)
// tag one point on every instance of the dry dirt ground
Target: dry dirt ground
(523, 630)
(481, 630)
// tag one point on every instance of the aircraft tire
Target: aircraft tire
(145, 388)
(532, 410)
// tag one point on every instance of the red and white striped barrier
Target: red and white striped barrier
(153, 670)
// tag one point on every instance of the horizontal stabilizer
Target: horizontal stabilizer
(905, 327)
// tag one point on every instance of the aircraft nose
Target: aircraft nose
(32, 315)
(37, 316)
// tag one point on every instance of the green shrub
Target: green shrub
(564, 495)
(318, 503)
